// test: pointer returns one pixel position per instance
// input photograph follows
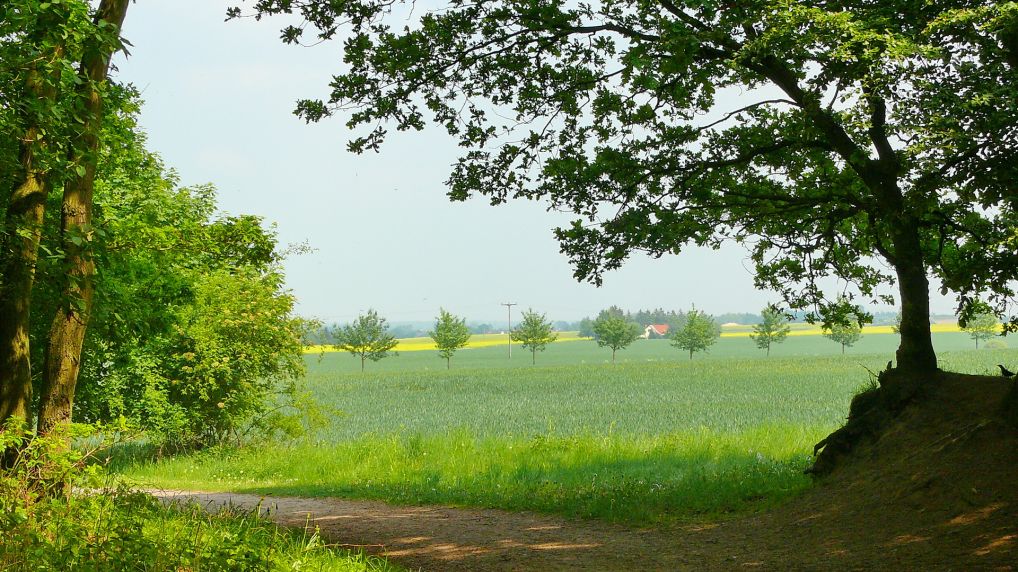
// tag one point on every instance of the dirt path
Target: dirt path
(795, 537)
(440, 538)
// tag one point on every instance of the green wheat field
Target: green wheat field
(656, 437)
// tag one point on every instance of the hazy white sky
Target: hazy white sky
(219, 99)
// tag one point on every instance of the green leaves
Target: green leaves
(615, 332)
(698, 334)
(367, 337)
(772, 330)
(533, 333)
(450, 334)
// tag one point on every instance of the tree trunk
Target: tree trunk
(843, 349)
(533, 356)
(67, 334)
(22, 227)
(690, 354)
(613, 356)
(362, 362)
(448, 363)
(915, 351)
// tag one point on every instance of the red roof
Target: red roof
(660, 329)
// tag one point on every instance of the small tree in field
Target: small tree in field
(846, 334)
(772, 330)
(534, 333)
(368, 337)
(699, 333)
(450, 334)
(981, 326)
(615, 332)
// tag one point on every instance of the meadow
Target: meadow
(656, 437)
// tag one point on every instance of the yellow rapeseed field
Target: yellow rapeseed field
(734, 331)
(476, 341)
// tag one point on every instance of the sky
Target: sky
(218, 108)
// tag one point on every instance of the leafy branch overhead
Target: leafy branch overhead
(871, 142)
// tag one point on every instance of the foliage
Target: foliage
(771, 330)
(846, 334)
(615, 332)
(982, 326)
(192, 335)
(586, 329)
(450, 334)
(534, 333)
(699, 333)
(367, 338)
(106, 526)
(865, 134)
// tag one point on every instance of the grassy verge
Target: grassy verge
(133, 531)
(640, 442)
(627, 479)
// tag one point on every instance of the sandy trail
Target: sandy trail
(442, 538)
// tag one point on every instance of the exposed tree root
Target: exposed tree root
(869, 413)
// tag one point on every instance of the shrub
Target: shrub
(105, 526)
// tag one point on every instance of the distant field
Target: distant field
(655, 437)
(476, 341)
(737, 331)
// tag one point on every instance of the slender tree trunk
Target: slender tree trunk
(67, 334)
(448, 363)
(22, 227)
(842, 348)
(533, 356)
(613, 356)
(362, 362)
(691, 354)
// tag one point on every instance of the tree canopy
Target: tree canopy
(773, 329)
(450, 334)
(534, 333)
(872, 142)
(615, 332)
(845, 334)
(698, 334)
(367, 337)
(981, 326)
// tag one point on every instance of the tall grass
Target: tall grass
(656, 438)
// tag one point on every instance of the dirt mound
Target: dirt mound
(935, 488)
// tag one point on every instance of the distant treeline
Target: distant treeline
(673, 318)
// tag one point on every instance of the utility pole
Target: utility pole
(510, 305)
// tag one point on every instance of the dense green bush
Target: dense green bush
(192, 336)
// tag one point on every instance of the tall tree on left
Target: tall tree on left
(58, 128)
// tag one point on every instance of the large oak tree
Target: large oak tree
(873, 141)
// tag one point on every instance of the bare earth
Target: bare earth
(938, 491)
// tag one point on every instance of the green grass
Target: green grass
(655, 437)
(132, 531)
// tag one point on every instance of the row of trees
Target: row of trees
(369, 337)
